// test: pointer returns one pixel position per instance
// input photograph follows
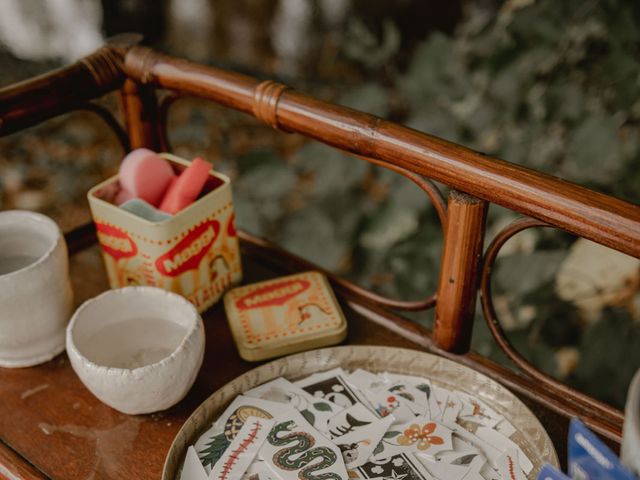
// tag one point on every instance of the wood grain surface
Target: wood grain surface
(459, 272)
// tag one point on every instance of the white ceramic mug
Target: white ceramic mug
(36, 300)
(630, 448)
(138, 349)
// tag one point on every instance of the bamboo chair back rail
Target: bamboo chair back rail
(601, 218)
(576, 209)
(476, 179)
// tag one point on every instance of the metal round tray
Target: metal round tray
(530, 435)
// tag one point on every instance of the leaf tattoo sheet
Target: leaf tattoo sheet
(215, 441)
(339, 425)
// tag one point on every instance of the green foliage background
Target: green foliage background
(551, 85)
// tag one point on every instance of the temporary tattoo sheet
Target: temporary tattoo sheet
(386, 403)
(422, 384)
(243, 449)
(258, 470)
(460, 445)
(443, 470)
(489, 451)
(453, 465)
(509, 466)
(349, 420)
(451, 409)
(475, 410)
(242, 407)
(331, 386)
(474, 476)
(418, 398)
(397, 467)
(339, 425)
(192, 469)
(294, 450)
(441, 395)
(358, 446)
(506, 428)
(473, 460)
(363, 380)
(212, 444)
(501, 443)
(489, 473)
(421, 435)
(317, 411)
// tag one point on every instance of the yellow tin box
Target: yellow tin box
(194, 253)
(284, 315)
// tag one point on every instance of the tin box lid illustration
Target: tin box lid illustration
(284, 315)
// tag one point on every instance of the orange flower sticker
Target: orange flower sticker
(422, 436)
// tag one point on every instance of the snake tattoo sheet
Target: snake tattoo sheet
(339, 425)
(294, 451)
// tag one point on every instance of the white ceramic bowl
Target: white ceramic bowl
(138, 349)
(36, 300)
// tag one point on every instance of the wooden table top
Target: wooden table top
(51, 426)
(52, 422)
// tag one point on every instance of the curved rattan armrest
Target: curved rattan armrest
(37, 99)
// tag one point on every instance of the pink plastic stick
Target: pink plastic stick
(183, 191)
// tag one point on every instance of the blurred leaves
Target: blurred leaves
(269, 181)
(390, 224)
(435, 73)
(363, 46)
(369, 97)
(593, 152)
(552, 85)
(522, 273)
(610, 355)
(332, 171)
(311, 234)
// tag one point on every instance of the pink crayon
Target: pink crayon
(184, 189)
(144, 174)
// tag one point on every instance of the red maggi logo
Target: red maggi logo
(115, 242)
(231, 226)
(189, 252)
(276, 294)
